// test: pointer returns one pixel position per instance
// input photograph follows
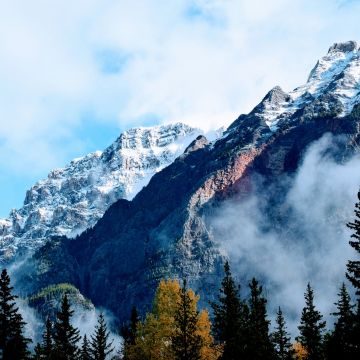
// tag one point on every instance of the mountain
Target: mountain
(47, 302)
(336, 76)
(166, 229)
(74, 198)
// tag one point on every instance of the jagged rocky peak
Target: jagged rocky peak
(335, 78)
(157, 136)
(272, 104)
(271, 107)
(276, 96)
(334, 62)
(74, 198)
(200, 142)
(344, 47)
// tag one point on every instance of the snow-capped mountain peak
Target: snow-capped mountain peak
(338, 73)
(333, 62)
(73, 198)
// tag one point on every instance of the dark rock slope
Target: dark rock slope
(164, 230)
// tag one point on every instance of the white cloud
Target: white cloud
(312, 244)
(203, 61)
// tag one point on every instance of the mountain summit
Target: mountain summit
(337, 75)
(74, 198)
(166, 229)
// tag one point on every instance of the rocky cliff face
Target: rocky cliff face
(332, 87)
(164, 230)
(74, 198)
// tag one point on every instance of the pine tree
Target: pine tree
(339, 344)
(353, 266)
(311, 328)
(13, 344)
(353, 274)
(134, 320)
(100, 347)
(281, 339)
(260, 345)
(44, 351)
(355, 336)
(85, 349)
(65, 335)
(186, 342)
(128, 332)
(230, 319)
(47, 343)
(38, 352)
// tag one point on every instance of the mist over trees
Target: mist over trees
(176, 329)
(353, 266)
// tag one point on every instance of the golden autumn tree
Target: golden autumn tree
(300, 352)
(154, 334)
(153, 338)
(209, 351)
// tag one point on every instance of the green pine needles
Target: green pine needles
(13, 343)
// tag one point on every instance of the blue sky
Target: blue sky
(74, 74)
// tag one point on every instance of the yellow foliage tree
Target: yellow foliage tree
(153, 339)
(300, 352)
(209, 350)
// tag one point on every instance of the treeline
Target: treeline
(175, 329)
(60, 340)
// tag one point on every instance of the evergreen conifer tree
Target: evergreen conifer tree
(186, 341)
(100, 347)
(339, 344)
(353, 266)
(353, 274)
(356, 332)
(38, 352)
(13, 343)
(65, 335)
(230, 319)
(134, 320)
(281, 339)
(85, 349)
(311, 328)
(47, 343)
(260, 345)
(128, 332)
(354, 342)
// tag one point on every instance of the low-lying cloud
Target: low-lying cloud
(85, 320)
(311, 243)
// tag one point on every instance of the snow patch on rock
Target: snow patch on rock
(338, 73)
(74, 198)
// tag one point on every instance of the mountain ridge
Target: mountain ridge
(165, 230)
(73, 198)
